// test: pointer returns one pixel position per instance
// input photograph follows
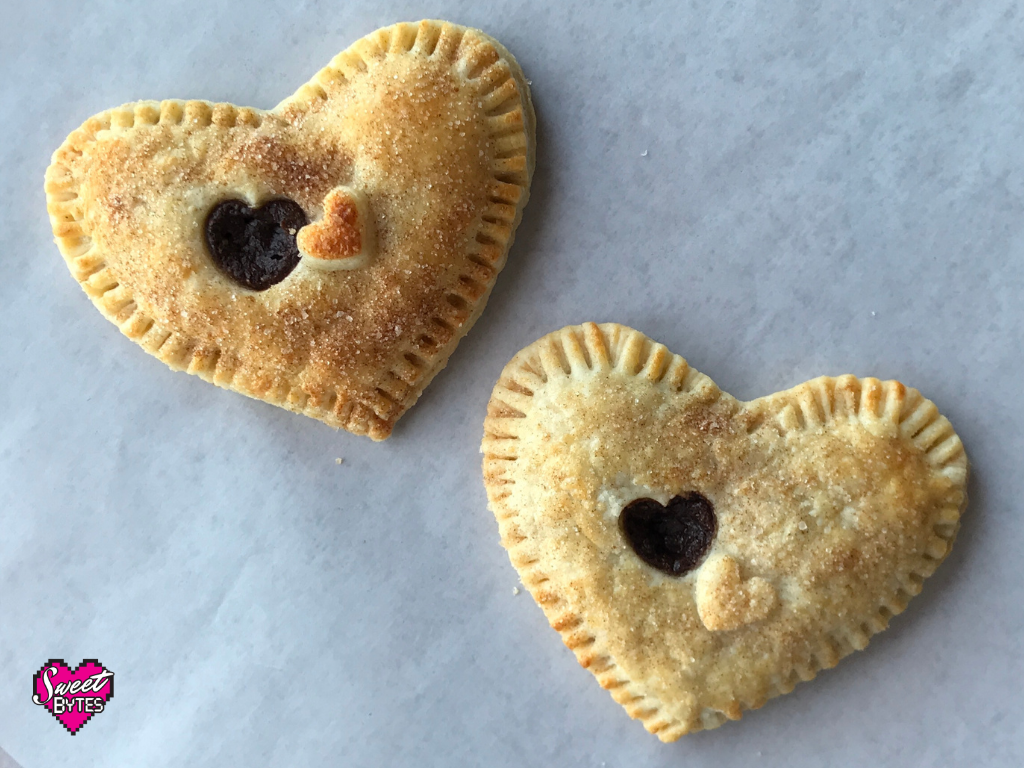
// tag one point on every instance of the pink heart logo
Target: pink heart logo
(73, 696)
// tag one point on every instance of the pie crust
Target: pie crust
(834, 501)
(428, 128)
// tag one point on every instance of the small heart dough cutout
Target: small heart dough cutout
(725, 601)
(343, 239)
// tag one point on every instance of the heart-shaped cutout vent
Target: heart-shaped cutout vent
(673, 537)
(255, 247)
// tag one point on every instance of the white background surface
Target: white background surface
(829, 187)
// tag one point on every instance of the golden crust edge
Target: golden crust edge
(409, 37)
(610, 345)
(181, 352)
(442, 356)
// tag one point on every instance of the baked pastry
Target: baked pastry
(698, 554)
(325, 256)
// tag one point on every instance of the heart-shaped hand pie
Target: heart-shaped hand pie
(698, 554)
(325, 256)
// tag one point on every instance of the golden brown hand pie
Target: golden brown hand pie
(698, 554)
(325, 256)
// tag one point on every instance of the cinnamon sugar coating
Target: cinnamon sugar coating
(834, 501)
(430, 123)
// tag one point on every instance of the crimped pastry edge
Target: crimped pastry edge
(575, 349)
(413, 367)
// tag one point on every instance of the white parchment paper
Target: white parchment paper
(774, 190)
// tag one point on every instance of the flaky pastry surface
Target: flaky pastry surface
(431, 123)
(834, 501)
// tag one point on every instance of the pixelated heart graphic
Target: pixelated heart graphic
(73, 696)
